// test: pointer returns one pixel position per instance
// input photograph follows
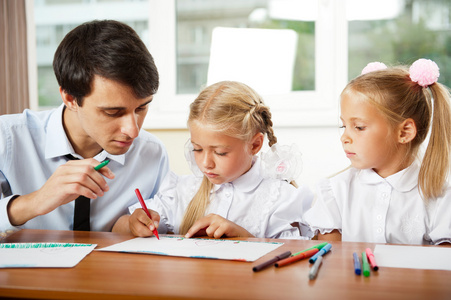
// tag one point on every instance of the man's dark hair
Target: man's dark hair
(109, 49)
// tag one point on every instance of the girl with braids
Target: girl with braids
(390, 194)
(227, 195)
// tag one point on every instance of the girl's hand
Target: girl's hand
(141, 225)
(216, 226)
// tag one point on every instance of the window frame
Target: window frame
(169, 110)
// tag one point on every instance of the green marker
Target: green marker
(102, 164)
(319, 247)
(365, 265)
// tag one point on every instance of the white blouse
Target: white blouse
(265, 207)
(365, 207)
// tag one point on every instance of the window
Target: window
(55, 18)
(400, 32)
(188, 31)
(334, 40)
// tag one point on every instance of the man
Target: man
(107, 80)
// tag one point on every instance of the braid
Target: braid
(263, 116)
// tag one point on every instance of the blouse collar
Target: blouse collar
(246, 182)
(403, 181)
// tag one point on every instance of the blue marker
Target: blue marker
(321, 252)
(357, 268)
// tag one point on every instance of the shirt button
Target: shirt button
(384, 195)
(227, 195)
(379, 217)
(379, 230)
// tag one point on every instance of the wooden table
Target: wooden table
(110, 275)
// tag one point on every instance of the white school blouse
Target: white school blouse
(365, 207)
(265, 207)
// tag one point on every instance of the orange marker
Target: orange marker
(143, 205)
(297, 257)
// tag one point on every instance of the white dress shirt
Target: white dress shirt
(34, 144)
(365, 207)
(265, 207)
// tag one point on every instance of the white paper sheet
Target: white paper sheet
(195, 247)
(43, 255)
(413, 257)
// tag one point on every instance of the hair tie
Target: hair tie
(373, 66)
(424, 72)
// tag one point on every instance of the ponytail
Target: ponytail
(435, 165)
(197, 207)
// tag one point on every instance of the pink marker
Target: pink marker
(371, 259)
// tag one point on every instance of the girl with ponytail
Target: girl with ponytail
(392, 193)
(230, 193)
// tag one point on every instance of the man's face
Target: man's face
(110, 118)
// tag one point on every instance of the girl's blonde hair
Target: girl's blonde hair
(231, 108)
(398, 98)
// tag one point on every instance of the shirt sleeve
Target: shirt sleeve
(440, 228)
(5, 189)
(164, 203)
(325, 215)
(287, 218)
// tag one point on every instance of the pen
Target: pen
(295, 258)
(102, 164)
(321, 252)
(365, 265)
(357, 267)
(143, 205)
(371, 259)
(319, 247)
(314, 269)
(271, 261)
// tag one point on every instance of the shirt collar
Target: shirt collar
(57, 144)
(403, 181)
(248, 181)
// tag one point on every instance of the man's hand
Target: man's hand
(74, 178)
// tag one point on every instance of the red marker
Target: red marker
(143, 205)
(371, 259)
(297, 257)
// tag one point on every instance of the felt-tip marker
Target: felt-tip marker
(271, 261)
(294, 258)
(314, 269)
(318, 246)
(321, 252)
(102, 164)
(371, 259)
(365, 265)
(357, 267)
(144, 207)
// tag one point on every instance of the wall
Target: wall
(322, 154)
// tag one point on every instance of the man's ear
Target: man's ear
(257, 142)
(407, 131)
(69, 100)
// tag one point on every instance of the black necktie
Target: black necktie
(82, 210)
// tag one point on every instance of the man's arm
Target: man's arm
(69, 181)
